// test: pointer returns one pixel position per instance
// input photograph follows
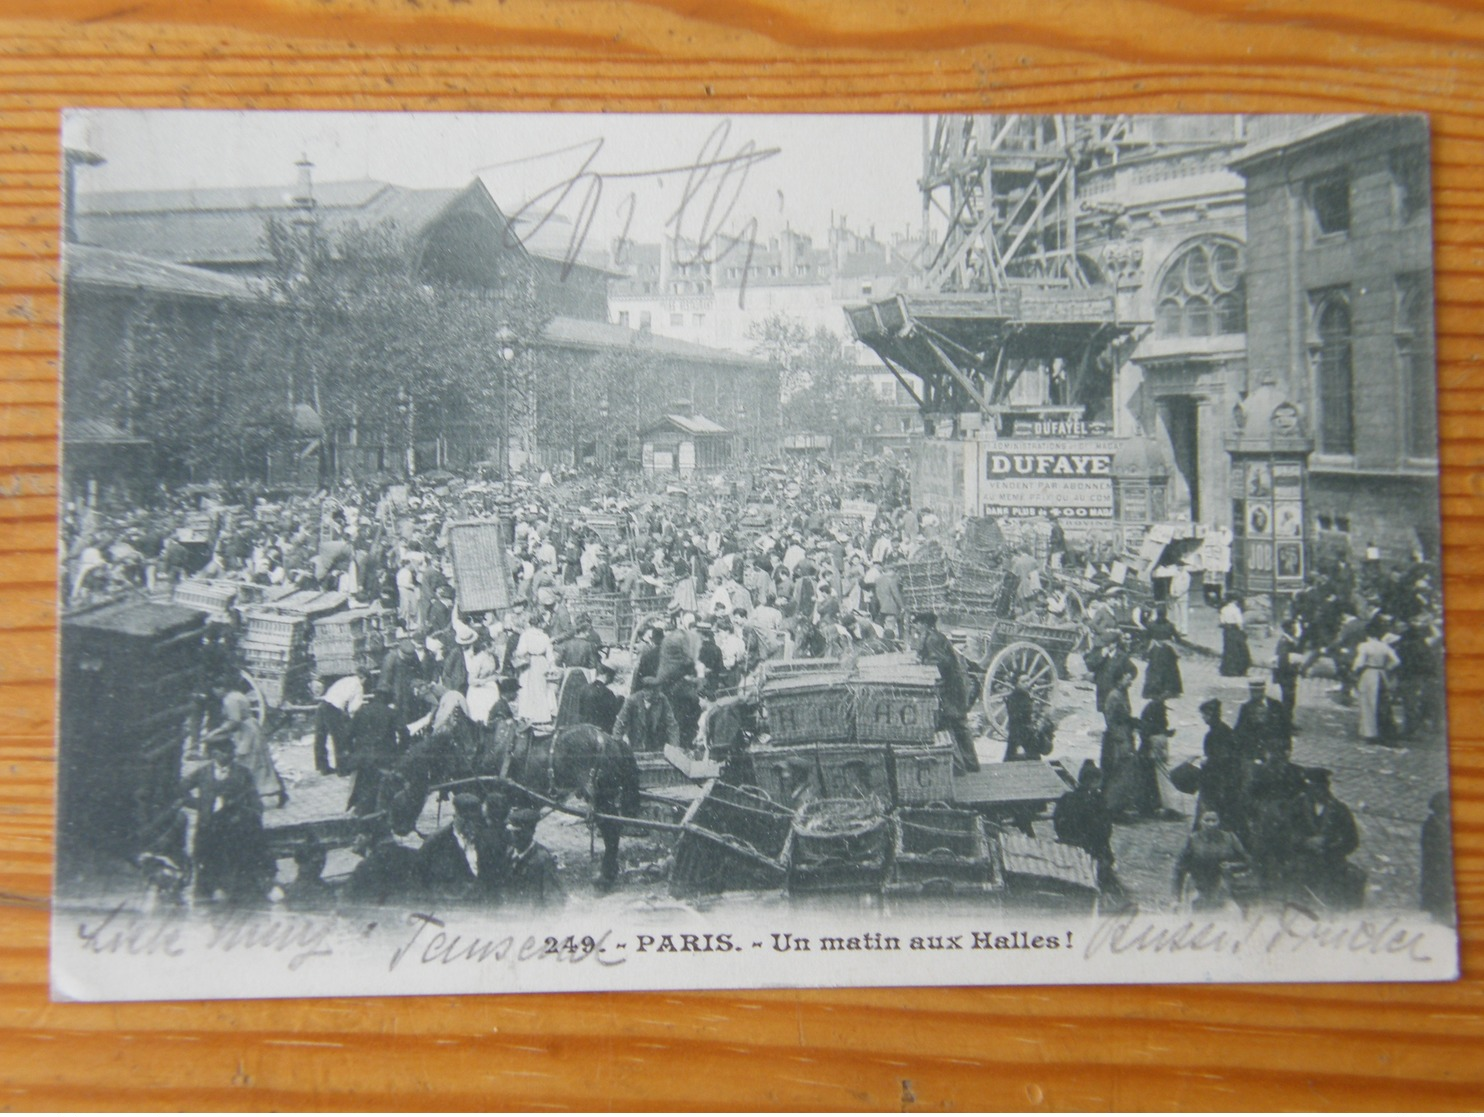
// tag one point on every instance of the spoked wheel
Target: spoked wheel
(1020, 659)
(255, 695)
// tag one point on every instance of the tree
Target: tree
(818, 379)
(377, 347)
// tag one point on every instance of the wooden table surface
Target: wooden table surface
(1225, 1047)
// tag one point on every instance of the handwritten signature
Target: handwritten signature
(713, 186)
(1291, 930)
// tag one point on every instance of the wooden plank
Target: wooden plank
(1223, 1047)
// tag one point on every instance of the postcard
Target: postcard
(508, 553)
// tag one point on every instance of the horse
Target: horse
(551, 763)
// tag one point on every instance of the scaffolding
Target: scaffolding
(1007, 292)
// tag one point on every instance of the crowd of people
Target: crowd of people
(722, 577)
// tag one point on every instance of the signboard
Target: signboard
(480, 568)
(1033, 477)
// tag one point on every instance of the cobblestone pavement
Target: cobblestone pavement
(1386, 788)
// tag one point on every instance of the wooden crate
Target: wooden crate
(733, 839)
(924, 773)
(941, 851)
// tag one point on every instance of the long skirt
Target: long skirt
(1371, 691)
(1236, 657)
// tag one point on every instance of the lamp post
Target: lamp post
(505, 354)
(602, 441)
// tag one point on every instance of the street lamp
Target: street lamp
(505, 353)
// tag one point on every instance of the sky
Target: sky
(803, 171)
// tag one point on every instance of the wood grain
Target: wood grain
(1224, 1047)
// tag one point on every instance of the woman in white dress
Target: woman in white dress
(533, 656)
(1373, 659)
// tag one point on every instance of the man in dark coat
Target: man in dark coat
(1114, 662)
(388, 870)
(600, 706)
(953, 687)
(378, 738)
(230, 854)
(531, 877)
(1262, 723)
(1020, 733)
(464, 860)
(582, 647)
(1221, 771)
(1321, 858)
(401, 672)
(645, 721)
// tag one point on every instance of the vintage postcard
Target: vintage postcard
(511, 553)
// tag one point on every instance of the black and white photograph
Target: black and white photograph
(573, 552)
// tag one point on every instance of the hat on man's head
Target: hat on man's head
(1211, 706)
(467, 804)
(463, 634)
(925, 616)
(546, 596)
(524, 816)
(1257, 686)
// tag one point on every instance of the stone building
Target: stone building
(1340, 296)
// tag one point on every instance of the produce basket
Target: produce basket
(941, 851)
(839, 845)
(734, 838)
(924, 773)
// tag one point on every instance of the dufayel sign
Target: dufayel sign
(1033, 477)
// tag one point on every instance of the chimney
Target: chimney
(303, 197)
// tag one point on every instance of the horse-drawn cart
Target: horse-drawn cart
(975, 602)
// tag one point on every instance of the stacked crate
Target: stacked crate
(942, 851)
(275, 643)
(214, 596)
(734, 838)
(347, 642)
(839, 845)
(924, 583)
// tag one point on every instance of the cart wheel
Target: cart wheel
(255, 695)
(1018, 659)
(1076, 607)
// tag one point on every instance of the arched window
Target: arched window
(1202, 293)
(1335, 373)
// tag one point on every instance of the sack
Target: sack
(1186, 777)
(1045, 739)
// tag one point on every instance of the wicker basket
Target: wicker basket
(924, 773)
(839, 845)
(797, 774)
(734, 838)
(941, 851)
(894, 713)
(809, 709)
